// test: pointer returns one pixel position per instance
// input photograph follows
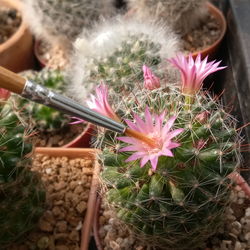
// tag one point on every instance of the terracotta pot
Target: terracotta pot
(84, 139)
(235, 177)
(96, 224)
(78, 153)
(16, 53)
(213, 48)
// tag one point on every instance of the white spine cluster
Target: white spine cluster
(107, 40)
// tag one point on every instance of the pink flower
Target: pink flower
(150, 80)
(152, 127)
(4, 94)
(100, 103)
(193, 72)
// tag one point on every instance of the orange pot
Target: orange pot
(96, 225)
(78, 153)
(213, 48)
(16, 53)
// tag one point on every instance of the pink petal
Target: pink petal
(167, 152)
(144, 160)
(131, 125)
(134, 157)
(126, 139)
(168, 126)
(173, 145)
(174, 133)
(128, 149)
(154, 162)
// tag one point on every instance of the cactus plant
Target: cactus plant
(22, 196)
(60, 22)
(44, 118)
(173, 191)
(115, 53)
(181, 15)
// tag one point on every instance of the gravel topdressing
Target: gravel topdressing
(58, 138)
(203, 36)
(67, 183)
(10, 20)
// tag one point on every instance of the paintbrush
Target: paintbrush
(38, 93)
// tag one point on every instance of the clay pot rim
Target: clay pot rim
(74, 153)
(82, 139)
(223, 25)
(96, 225)
(21, 29)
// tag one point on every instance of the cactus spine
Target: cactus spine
(115, 53)
(60, 21)
(181, 15)
(44, 118)
(179, 204)
(22, 196)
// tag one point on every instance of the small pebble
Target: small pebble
(237, 246)
(45, 226)
(43, 243)
(247, 213)
(60, 226)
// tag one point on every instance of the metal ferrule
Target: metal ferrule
(42, 95)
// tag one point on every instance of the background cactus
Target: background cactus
(44, 118)
(181, 202)
(60, 21)
(115, 53)
(22, 196)
(181, 15)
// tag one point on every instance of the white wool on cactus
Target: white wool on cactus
(116, 46)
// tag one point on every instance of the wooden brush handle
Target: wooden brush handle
(11, 81)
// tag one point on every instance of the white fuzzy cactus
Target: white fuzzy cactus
(115, 53)
(61, 21)
(181, 15)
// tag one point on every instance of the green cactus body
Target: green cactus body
(118, 70)
(115, 53)
(22, 196)
(181, 204)
(181, 15)
(44, 118)
(60, 21)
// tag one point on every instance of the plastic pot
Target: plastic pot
(80, 153)
(16, 53)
